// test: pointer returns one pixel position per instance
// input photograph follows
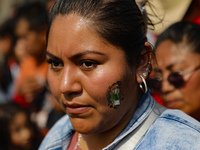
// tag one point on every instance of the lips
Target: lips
(77, 108)
(172, 103)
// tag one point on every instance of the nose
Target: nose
(166, 86)
(70, 81)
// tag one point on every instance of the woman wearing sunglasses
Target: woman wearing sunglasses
(99, 58)
(178, 54)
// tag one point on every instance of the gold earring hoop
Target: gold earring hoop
(144, 89)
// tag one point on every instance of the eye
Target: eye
(55, 64)
(17, 130)
(88, 64)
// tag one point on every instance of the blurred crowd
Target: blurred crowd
(24, 92)
(25, 100)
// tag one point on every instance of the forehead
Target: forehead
(168, 53)
(75, 33)
(69, 24)
(22, 26)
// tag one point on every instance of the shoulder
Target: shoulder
(59, 135)
(180, 118)
(172, 129)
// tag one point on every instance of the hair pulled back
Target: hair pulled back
(119, 22)
(183, 31)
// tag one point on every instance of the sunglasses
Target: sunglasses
(175, 78)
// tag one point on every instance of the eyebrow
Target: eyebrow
(77, 55)
(170, 66)
(51, 55)
(85, 53)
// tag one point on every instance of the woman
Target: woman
(17, 131)
(93, 46)
(178, 53)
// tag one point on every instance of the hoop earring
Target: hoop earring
(144, 89)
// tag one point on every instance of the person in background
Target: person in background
(94, 47)
(54, 114)
(30, 85)
(178, 73)
(8, 65)
(17, 132)
(30, 31)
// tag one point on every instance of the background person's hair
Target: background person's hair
(7, 30)
(8, 111)
(35, 14)
(119, 22)
(182, 32)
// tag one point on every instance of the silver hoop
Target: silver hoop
(145, 84)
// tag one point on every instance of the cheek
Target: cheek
(97, 89)
(97, 86)
(191, 91)
(15, 138)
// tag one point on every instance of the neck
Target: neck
(99, 141)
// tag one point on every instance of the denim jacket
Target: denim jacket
(172, 130)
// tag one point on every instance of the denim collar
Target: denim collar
(143, 110)
(60, 135)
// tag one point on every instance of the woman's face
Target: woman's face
(21, 132)
(29, 41)
(82, 67)
(178, 58)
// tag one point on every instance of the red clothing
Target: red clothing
(196, 20)
(157, 98)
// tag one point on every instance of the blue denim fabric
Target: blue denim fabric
(172, 130)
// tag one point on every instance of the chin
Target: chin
(82, 125)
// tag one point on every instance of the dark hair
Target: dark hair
(183, 31)
(8, 111)
(119, 22)
(6, 29)
(35, 14)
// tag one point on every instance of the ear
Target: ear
(144, 66)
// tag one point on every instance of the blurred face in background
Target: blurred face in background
(21, 132)
(179, 58)
(30, 41)
(5, 44)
